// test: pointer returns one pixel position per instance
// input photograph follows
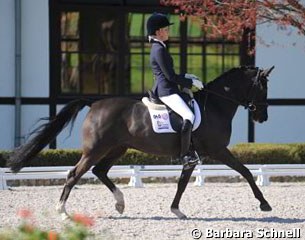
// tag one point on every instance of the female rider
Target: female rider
(167, 82)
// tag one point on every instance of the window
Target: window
(90, 55)
(70, 81)
(209, 58)
(103, 50)
(141, 77)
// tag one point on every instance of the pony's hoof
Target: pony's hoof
(65, 217)
(120, 207)
(59, 208)
(178, 213)
(265, 207)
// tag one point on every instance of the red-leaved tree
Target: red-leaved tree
(231, 18)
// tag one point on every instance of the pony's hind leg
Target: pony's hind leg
(74, 175)
(101, 170)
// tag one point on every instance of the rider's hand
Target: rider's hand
(197, 83)
(191, 76)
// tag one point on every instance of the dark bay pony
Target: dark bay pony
(113, 125)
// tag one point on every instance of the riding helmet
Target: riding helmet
(155, 22)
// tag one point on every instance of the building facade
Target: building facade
(54, 51)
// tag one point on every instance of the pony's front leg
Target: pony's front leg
(183, 181)
(225, 156)
(119, 197)
(61, 209)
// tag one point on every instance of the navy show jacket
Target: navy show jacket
(166, 80)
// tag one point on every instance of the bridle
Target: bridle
(252, 93)
(251, 105)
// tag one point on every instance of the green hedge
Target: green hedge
(258, 153)
(248, 153)
(69, 157)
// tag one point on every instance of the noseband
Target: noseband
(248, 104)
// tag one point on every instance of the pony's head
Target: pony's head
(256, 93)
(246, 86)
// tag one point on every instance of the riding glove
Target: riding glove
(191, 76)
(195, 80)
(197, 83)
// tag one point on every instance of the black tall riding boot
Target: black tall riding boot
(188, 157)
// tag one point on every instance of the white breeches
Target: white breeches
(176, 103)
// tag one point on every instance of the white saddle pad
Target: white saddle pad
(160, 117)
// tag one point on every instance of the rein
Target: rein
(249, 105)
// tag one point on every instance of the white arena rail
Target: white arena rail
(137, 172)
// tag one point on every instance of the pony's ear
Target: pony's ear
(267, 71)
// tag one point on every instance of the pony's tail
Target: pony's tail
(45, 134)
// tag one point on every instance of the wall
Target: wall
(7, 71)
(34, 60)
(34, 64)
(35, 48)
(285, 124)
(7, 48)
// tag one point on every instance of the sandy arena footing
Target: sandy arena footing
(221, 208)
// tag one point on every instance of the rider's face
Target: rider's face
(163, 34)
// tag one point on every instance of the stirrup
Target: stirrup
(190, 159)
